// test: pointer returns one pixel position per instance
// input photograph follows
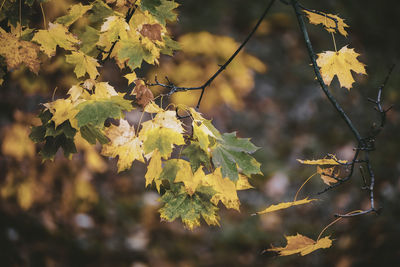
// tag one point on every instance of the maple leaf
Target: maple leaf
(56, 34)
(328, 23)
(301, 244)
(340, 64)
(332, 160)
(142, 92)
(83, 64)
(162, 10)
(113, 27)
(162, 139)
(285, 205)
(243, 183)
(164, 118)
(123, 144)
(95, 112)
(326, 175)
(17, 52)
(225, 188)
(74, 13)
(178, 204)
(191, 180)
(62, 110)
(54, 138)
(232, 152)
(99, 12)
(197, 156)
(89, 37)
(134, 53)
(131, 77)
(154, 170)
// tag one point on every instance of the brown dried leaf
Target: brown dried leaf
(143, 93)
(326, 174)
(152, 31)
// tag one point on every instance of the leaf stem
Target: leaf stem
(298, 191)
(335, 221)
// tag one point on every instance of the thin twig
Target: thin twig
(174, 89)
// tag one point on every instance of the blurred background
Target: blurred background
(80, 212)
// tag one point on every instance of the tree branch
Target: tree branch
(311, 53)
(174, 89)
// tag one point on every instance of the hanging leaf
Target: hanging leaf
(340, 64)
(285, 205)
(328, 23)
(301, 244)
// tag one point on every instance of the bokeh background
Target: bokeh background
(80, 212)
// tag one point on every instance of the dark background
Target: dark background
(286, 115)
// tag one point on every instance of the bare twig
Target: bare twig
(365, 144)
(174, 89)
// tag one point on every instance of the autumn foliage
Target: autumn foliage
(194, 167)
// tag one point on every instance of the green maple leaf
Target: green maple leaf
(178, 204)
(165, 12)
(95, 112)
(92, 133)
(74, 13)
(196, 156)
(99, 12)
(162, 139)
(83, 64)
(162, 10)
(54, 137)
(134, 53)
(231, 152)
(150, 5)
(89, 37)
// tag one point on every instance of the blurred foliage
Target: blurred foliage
(81, 213)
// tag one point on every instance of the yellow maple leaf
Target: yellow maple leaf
(328, 23)
(124, 144)
(190, 180)
(154, 170)
(103, 90)
(326, 161)
(164, 119)
(301, 244)
(62, 110)
(340, 63)
(83, 64)
(243, 183)
(17, 52)
(56, 34)
(285, 205)
(225, 188)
